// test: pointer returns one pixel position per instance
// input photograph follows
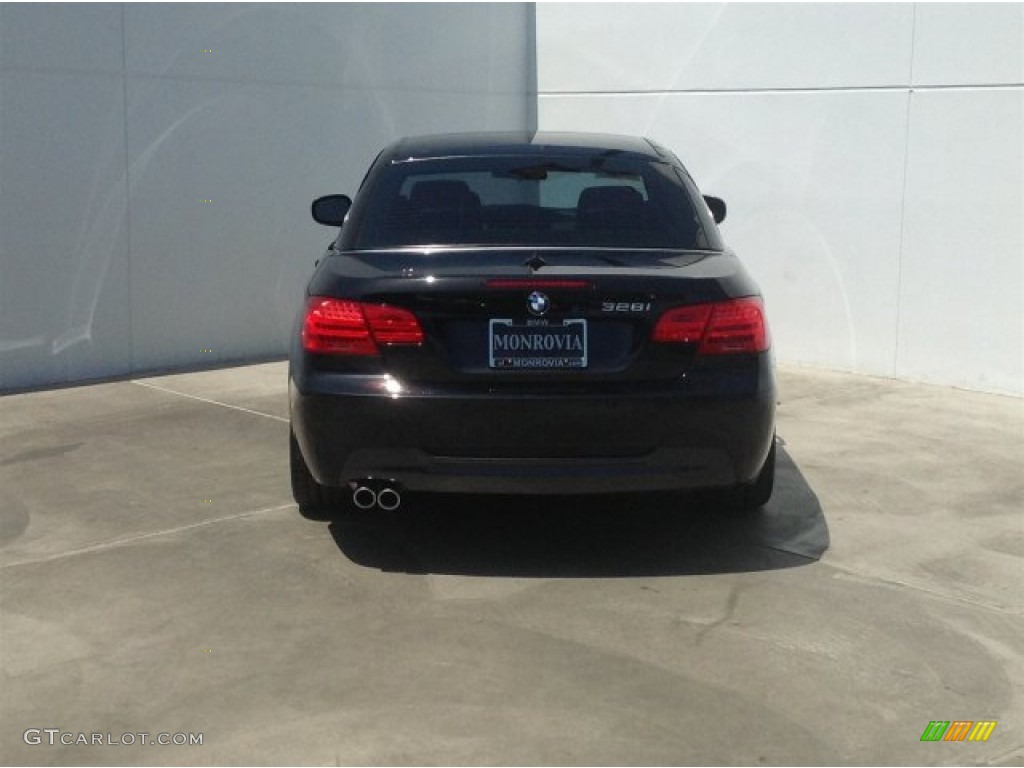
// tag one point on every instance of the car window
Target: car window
(563, 189)
(529, 201)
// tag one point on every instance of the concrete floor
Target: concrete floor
(156, 577)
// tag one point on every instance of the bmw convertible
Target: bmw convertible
(539, 313)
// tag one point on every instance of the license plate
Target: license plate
(555, 345)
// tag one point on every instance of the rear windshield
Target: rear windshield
(528, 201)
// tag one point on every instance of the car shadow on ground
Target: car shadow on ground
(609, 536)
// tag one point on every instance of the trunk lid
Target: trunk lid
(527, 317)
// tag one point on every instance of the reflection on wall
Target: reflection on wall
(157, 162)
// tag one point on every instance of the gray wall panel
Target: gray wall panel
(63, 237)
(633, 47)
(118, 122)
(962, 271)
(61, 36)
(969, 44)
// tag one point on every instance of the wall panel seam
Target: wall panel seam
(127, 192)
(801, 90)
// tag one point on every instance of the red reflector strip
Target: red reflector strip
(508, 284)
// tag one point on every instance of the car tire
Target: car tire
(752, 497)
(314, 500)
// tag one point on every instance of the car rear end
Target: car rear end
(519, 339)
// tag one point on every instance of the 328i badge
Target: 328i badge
(529, 313)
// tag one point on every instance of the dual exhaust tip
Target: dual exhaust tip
(387, 498)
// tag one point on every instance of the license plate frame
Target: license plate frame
(526, 347)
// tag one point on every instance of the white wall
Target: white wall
(118, 122)
(871, 156)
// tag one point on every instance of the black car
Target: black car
(542, 313)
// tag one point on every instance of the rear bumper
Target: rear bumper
(416, 470)
(706, 431)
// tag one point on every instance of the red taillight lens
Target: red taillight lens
(393, 325)
(336, 327)
(722, 328)
(736, 326)
(683, 325)
(339, 327)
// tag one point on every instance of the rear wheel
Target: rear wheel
(314, 500)
(750, 498)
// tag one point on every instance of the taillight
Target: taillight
(392, 325)
(340, 327)
(683, 325)
(721, 328)
(736, 326)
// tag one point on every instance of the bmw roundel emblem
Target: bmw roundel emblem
(538, 303)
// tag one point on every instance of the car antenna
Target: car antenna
(535, 262)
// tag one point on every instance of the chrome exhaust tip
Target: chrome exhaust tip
(389, 499)
(364, 498)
